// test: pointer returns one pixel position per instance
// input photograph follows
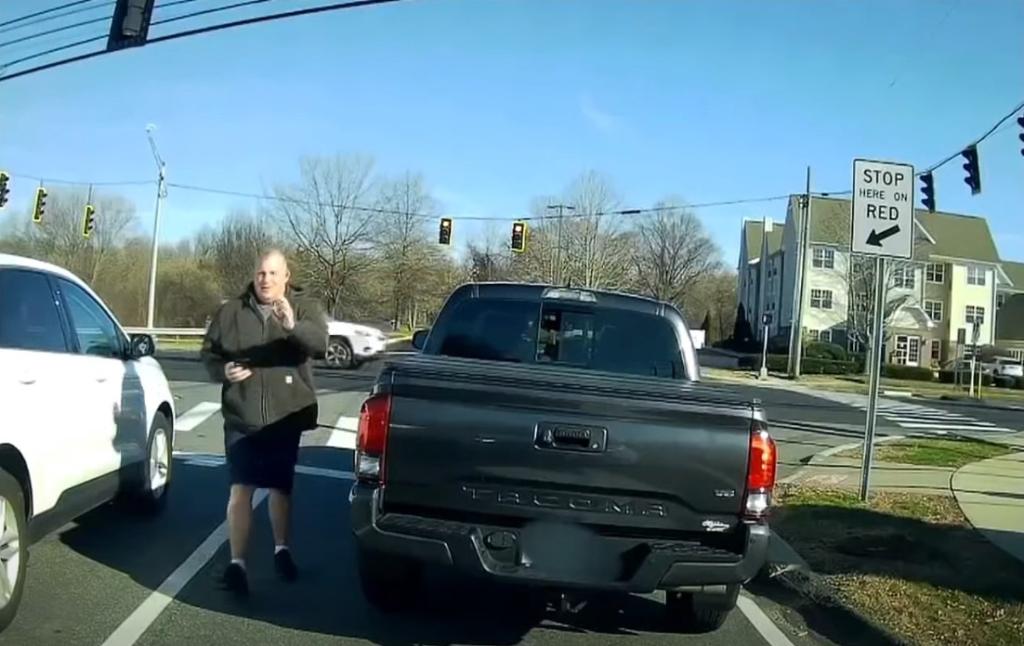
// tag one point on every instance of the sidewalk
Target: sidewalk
(990, 493)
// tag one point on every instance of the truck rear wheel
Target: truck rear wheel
(388, 582)
(700, 612)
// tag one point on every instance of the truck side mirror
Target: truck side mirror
(419, 339)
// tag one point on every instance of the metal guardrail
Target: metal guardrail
(167, 331)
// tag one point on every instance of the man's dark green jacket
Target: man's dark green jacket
(281, 361)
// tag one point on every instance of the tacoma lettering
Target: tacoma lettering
(593, 504)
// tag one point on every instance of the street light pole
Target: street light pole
(556, 271)
(161, 193)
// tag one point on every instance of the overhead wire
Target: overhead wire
(351, 4)
(38, 21)
(44, 12)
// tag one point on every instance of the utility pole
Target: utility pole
(556, 271)
(796, 329)
(161, 193)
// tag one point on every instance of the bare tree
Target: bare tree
(231, 250)
(404, 246)
(861, 284)
(325, 218)
(594, 248)
(713, 293)
(59, 238)
(672, 253)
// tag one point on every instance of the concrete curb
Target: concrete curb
(818, 457)
(800, 579)
(815, 589)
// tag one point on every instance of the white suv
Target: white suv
(87, 413)
(350, 344)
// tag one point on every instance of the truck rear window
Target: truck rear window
(562, 333)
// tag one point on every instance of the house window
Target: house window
(934, 310)
(825, 336)
(824, 258)
(853, 344)
(974, 314)
(903, 277)
(976, 275)
(821, 299)
(935, 273)
(936, 350)
(813, 335)
(908, 350)
(861, 302)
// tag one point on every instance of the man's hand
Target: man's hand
(284, 314)
(236, 372)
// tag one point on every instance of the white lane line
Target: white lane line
(325, 473)
(343, 434)
(143, 617)
(761, 622)
(196, 416)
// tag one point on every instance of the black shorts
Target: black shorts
(266, 458)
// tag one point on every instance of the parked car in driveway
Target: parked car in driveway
(561, 438)
(349, 344)
(87, 416)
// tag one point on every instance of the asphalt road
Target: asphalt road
(112, 578)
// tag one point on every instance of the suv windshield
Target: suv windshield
(572, 334)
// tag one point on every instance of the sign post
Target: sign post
(975, 335)
(881, 225)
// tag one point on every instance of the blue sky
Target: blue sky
(498, 101)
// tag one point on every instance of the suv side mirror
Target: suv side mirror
(419, 339)
(142, 345)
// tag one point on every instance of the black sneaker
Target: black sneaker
(235, 580)
(285, 566)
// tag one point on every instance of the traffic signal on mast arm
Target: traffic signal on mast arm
(444, 234)
(129, 26)
(1020, 122)
(4, 191)
(88, 220)
(973, 178)
(519, 237)
(928, 191)
(39, 206)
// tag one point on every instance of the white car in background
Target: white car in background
(351, 344)
(87, 414)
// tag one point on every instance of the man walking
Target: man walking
(261, 345)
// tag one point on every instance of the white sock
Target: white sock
(279, 548)
(239, 562)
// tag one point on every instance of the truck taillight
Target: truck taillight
(372, 438)
(761, 469)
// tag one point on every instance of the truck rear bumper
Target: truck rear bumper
(557, 556)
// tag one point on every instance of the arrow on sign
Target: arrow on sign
(875, 238)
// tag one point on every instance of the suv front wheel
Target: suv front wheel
(13, 547)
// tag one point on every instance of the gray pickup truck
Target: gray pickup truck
(561, 438)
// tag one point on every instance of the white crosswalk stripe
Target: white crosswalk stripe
(195, 416)
(917, 417)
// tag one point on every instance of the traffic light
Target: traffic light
(130, 25)
(4, 180)
(40, 205)
(928, 191)
(1020, 122)
(89, 220)
(444, 235)
(973, 178)
(519, 237)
